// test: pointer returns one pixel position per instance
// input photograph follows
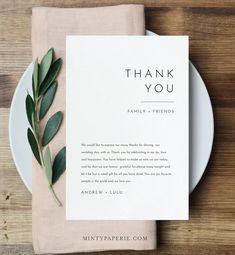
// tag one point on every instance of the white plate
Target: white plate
(201, 127)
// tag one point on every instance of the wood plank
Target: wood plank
(13, 193)
(15, 226)
(20, 249)
(163, 250)
(25, 6)
(205, 227)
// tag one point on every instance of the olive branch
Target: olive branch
(44, 86)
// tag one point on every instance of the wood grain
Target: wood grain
(211, 27)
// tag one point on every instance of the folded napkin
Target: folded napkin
(51, 232)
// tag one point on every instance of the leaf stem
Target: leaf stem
(55, 196)
(40, 148)
(36, 129)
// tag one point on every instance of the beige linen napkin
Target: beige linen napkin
(51, 232)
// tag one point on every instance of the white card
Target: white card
(127, 127)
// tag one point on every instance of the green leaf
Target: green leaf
(45, 64)
(34, 92)
(59, 165)
(33, 145)
(51, 128)
(47, 165)
(47, 100)
(29, 103)
(51, 76)
(35, 78)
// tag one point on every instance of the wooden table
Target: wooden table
(211, 27)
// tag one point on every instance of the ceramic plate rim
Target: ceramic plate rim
(20, 84)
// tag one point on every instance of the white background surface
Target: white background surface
(97, 99)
